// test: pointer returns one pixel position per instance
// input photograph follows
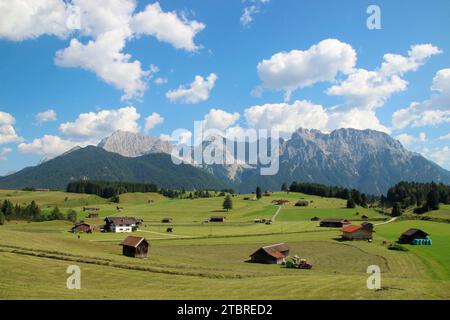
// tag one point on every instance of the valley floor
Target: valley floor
(208, 261)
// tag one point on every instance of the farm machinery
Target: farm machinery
(297, 263)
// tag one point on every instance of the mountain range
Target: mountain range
(367, 160)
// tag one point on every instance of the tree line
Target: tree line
(353, 196)
(424, 196)
(107, 189)
(32, 212)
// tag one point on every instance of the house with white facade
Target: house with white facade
(121, 224)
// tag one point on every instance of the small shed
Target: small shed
(334, 223)
(302, 203)
(81, 227)
(167, 220)
(315, 218)
(412, 234)
(271, 254)
(280, 202)
(92, 215)
(217, 219)
(362, 232)
(90, 209)
(135, 247)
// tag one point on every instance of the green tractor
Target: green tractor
(297, 263)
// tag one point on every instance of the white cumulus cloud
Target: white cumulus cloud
(97, 125)
(433, 111)
(107, 26)
(220, 119)
(49, 146)
(153, 120)
(8, 133)
(195, 92)
(286, 118)
(297, 69)
(46, 116)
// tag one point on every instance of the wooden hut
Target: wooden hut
(217, 219)
(302, 203)
(334, 223)
(90, 209)
(315, 218)
(92, 215)
(81, 227)
(167, 220)
(410, 235)
(270, 254)
(135, 247)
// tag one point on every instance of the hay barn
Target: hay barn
(135, 247)
(275, 253)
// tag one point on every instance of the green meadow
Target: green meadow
(201, 260)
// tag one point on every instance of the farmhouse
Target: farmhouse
(334, 223)
(121, 224)
(135, 247)
(412, 236)
(302, 203)
(270, 254)
(217, 219)
(81, 227)
(362, 232)
(167, 220)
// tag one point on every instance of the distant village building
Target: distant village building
(302, 203)
(90, 209)
(217, 219)
(42, 190)
(280, 202)
(412, 236)
(167, 220)
(135, 247)
(271, 254)
(81, 227)
(334, 223)
(92, 215)
(362, 232)
(121, 224)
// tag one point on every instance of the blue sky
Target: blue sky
(258, 63)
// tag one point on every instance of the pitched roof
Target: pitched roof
(121, 220)
(80, 224)
(351, 229)
(275, 250)
(412, 232)
(132, 241)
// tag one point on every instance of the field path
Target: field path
(386, 222)
(165, 234)
(276, 214)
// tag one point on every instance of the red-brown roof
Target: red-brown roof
(351, 229)
(132, 241)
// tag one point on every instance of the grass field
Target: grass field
(208, 261)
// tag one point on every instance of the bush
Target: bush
(397, 247)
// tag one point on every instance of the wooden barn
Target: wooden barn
(167, 220)
(81, 227)
(135, 247)
(362, 232)
(315, 218)
(410, 235)
(302, 203)
(334, 223)
(275, 253)
(90, 209)
(280, 202)
(92, 215)
(217, 219)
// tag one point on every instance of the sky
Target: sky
(73, 72)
